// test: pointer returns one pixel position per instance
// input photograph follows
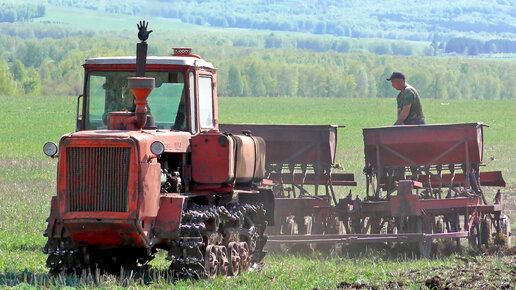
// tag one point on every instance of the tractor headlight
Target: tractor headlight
(157, 148)
(50, 149)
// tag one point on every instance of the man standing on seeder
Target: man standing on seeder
(410, 111)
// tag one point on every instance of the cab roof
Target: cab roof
(163, 60)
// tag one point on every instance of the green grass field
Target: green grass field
(27, 182)
(82, 19)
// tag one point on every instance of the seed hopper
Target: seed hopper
(422, 183)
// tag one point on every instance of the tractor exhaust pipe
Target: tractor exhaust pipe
(141, 88)
(140, 85)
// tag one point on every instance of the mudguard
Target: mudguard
(168, 219)
(55, 223)
(265, 196)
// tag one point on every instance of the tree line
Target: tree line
(259, 39)
(42, 30)
(364, 75)
(20, 12)
(54, 67)
(457, 45)
(468, 46)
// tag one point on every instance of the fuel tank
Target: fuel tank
(223, 158)
(249, 158)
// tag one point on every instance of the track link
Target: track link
(205, 229)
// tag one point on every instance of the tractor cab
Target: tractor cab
(183, 98)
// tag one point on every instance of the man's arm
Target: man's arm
(403, 114)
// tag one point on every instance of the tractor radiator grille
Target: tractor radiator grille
(97, 178)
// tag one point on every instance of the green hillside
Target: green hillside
(417, 20)
(460, 27)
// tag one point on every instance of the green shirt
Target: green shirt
(410, 96)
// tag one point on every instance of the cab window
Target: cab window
(205, 102)
(191, 84)
(107, 91)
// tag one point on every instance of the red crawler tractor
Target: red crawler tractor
(148, 169)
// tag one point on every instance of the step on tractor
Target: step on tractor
(148, 169)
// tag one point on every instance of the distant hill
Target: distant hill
(422, 20)
(463, 27)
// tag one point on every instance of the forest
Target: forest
(54, 67)
(45, 57)
(20, 12)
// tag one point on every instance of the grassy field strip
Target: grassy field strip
(51, 117)
(27, 182)
(82, 19)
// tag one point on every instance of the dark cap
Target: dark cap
(396, 75)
